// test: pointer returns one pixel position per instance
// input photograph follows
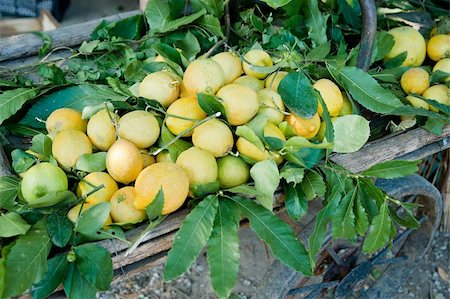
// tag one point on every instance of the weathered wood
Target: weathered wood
(388, 148)
(28, 44)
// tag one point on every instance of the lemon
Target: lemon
(147, 158)
(64, 119)
(164, 156)
(331, 95)
(200, 165)
(185, 91)
(173, 180)
(203, 75)
(271, 130)
(415, 80)
(139, 127)
(419, 103)
(443, 65)
(305, 127)
(231, 65)
(95, 179)
(123, 209)
(240, 103)
(68, 146)
(213, 136)
(101, 129)
(438, 93)
(409, 40)
(346, 106)
(274, 79)
(124, 161)
(185, 108)
(73, 213)
(232, 171)
(160, 86)
(438, 47)
(256, 58)
(42, 179)
(253, 83)
(250, 151)
(271, 105)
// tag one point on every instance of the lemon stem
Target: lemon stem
(144, 234)
(197, 123)
(83, 198)
(168, 114)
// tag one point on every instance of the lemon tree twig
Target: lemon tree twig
(145, 232)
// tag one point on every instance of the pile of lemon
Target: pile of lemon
(136, 168)
(416, 80)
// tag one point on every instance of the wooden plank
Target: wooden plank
(28, 44)
(388, 148)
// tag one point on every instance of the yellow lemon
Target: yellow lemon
(251, 82)
(331, 95)
(173, 180)
(139, 127)
(419, 103)
(124, 161)
(123, 209)
(415, 80)
(438, 93)
(256, 58)
(305, 127)
(274, 79)
(95, 179)
(232, 171)
(346, 106)
(203, 75)
(75, 211)
(68, 146)
(160, 86)
(443, 65)
(64, 119)
(184, 108)
(101, 129)
(164, 156)
(409, 40)
(147, 158)
(213, 136)
(271, 105)
(438, 47)
(200, 165)
(250, 151)
(240, 103)
(231, 65)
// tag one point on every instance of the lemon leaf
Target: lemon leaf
(296, 203)
(276, 3)
(210, 105)
(392, 169)
(76, 286)
(277, 234)
(292, 174)
(313, 185)
(343, 220)
(351, 132)
(9, 189)
(93, 219)
(267, 178)
(223, 248)
(379, 231)
(92, 162)
(95, 264)
(191, 238)
(12, 100)
(53, 277)
(59, 228)
(250, 135)
(11, 224)
(315, 22)
(361, 218)
(154, 209)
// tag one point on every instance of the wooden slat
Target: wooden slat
(28, 44)
(388, 148)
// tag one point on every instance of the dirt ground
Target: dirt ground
(426, 282)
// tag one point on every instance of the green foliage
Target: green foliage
(379, 231)
(393, 169)
(223, 248)
(21, 161)
(154, 209)
(27, 260)
(46, 43)
(266, 176)
(313, 185)
(351, 132)
(59, 228)
(315, 22)
(93, 219)
(296, 203)
(277, 234)
(53, 277)
(11, 224)
(12, 100)
(76, 286)
(9, 189)
(175, 148)
(95, 264)
(343, 220)
(42, 145)
(210, 105)
(191, 238)
(92, 162)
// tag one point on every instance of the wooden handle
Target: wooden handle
(369, 30)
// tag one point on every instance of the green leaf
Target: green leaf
(21, 161)
(92, 162)
(298, 94)
(53, 74)
(410, 110)
(189, 45)
(384, 44)
(250, 135)
(244, 190)
(27, 261)
(200, 190)
(210, 105)
(95, 264)
(323, 217)
(319, 52)
(157, 13)
(46, 43)
(267, 178)
(53, 277)
(12, 100)
(21, 130)
(128, 28)
(88, 46)
(4, 251)
(296, 203)
(186, 20)
(277, 234)
(276, 3)
(210, 23)
(407, 221)
(93, 219)
(351, 132)
(438, 76)
(75, 97)
(378, 235)
(361, 218)
(191, 238)
(11, 224)
(9, 189)
(365, 89)
(392, 169)
(396, 61)
(59, 229)
(434, 125)
(154, 209)
(223, 248)
(214, 7)
(54, 199)
(76, 286)
(313, 185)
(175, 148)
(41, 144)
(168, 52)
(292, 174)
(441, 107)
(315, 22)
(329, 127)
(344, 219)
